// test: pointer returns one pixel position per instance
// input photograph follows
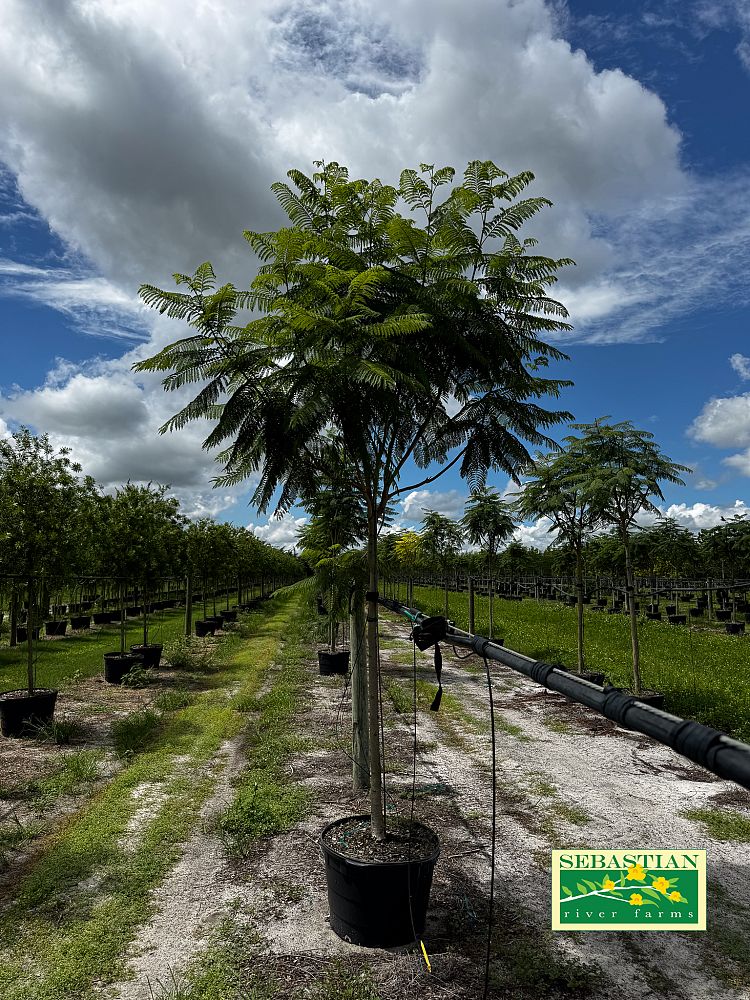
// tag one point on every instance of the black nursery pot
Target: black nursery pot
(735, 628)
(151, 653)
(80, 622)
(116, 665)
(377, 904)
(20, 713)
(22, 633)
(333, 663)
(229, 616)
(56, 627)
(204, 628)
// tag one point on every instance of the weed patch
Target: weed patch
(132, 733)
(722, 824)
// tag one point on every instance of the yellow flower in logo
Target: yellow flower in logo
(636, 899)
(608, 884)
(675, 897)
(661, 884)
(637, 872)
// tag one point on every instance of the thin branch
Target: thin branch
(430, 479)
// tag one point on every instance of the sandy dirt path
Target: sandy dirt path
(566, 778)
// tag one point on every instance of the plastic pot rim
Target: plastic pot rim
(364, 863)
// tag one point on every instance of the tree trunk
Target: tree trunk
(145, 615)
(629, 596)
(377, 816)
(471, 605)
(188, 605)
(445, 583)
(360, 732)
(30, 640)
(579, 607)
(122, 617)
(13, 616)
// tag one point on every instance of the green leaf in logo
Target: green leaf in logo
(566, 891)
(581, 888)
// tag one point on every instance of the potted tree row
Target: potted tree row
(45, 514)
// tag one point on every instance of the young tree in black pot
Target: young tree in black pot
(140, 539)
(42, 498)
(416, 337)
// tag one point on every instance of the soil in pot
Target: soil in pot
(21, 714)
(333, 663)
(378, 892)
(116, 665)
(151, 653)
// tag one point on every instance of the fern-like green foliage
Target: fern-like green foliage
(373, 321)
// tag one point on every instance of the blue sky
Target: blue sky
(135, 142)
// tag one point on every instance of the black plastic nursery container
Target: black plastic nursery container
(377, 904)
(333, 663)
(151, 653)
(116, 665)
(20, 713)
(204, 628)
(56, 627)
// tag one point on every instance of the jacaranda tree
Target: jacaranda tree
(618, 469)
(417, 337)
(488, 522)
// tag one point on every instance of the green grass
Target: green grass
(79, 656)
(702, 674)
(266, 802)
(63, 940)
(134, 731)
(173, 700)
(722, 824)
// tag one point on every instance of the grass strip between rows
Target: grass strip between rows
(702, 673)
(83, 900)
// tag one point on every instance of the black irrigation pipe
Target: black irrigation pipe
(710, 748)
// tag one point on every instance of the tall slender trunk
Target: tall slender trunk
(492, 598)
(14, 615)
(630, 598)
(122, 617)
(377, 816)
(579, 603)
(145, 614)
(188, 605)
(30, 640)
(445, 584)
(360, 732)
